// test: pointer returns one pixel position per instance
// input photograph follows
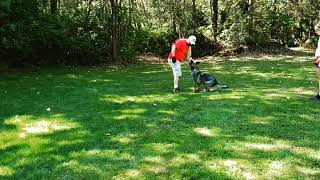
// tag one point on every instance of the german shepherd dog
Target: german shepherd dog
(202, 78)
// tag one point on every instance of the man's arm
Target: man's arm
(317, 60)
(189, 58)
(173, 50)
(173, 53)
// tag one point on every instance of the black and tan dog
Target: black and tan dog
(202, 78)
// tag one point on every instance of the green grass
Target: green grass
(126, 124)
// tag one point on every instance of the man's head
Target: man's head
(192, 40)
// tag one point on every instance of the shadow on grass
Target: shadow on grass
(127, 124)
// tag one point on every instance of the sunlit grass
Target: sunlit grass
(126, 124)
(6, 171)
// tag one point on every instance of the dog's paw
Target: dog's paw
(196, 90)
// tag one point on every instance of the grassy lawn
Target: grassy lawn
(126, 124)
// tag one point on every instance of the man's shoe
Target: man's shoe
(175, 90)
(317, 97)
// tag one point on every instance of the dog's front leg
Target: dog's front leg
(206, 89)
(197, 84)
(196, 87)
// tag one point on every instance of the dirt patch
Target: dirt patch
(150, 58)
(240, 52)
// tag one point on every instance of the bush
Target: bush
(234, 36)
(160, 44)
(204, 46)
(50, 40)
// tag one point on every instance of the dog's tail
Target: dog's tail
(222, 86)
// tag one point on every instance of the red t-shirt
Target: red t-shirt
(182, 49)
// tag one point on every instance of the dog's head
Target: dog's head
(194, 65)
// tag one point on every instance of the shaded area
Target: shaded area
(127, 124)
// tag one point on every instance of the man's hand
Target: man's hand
(174, 59)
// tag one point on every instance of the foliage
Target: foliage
(80, 32)
(4, 10)
(155, 42)
(235, 34)
(50, 40)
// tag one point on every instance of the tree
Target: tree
(115, 29)
(54, 6)
(214, 17)
(174, 17)
(194, 9)
(251, 17)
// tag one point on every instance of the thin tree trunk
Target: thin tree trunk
(101, 10)
(130, 12)
(54, 6)
(134, 17)
(311, 28)
(145, 12)
(274, 9)
(214, 16)
(88, 11)
(174, 26)
(44, 5)
(106, 12)
(251, 17)
(119, 30)
(115, 40)
(59, 5)
(194, 16)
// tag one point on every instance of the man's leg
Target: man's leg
(318, 76)
(317, 97)
(176, 82)
(176, 69)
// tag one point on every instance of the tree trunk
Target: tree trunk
(174, 26)
(59, 5)
(214, 16)
(114, 33)
(44, 5)
(250, 11)
(136, 24)
(54, 6)
(194, 18)
(130, 2)
(311, 28)
(273, 24)
(88, 12)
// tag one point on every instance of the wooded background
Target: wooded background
(86, 32)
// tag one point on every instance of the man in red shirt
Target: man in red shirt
(180, 50)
